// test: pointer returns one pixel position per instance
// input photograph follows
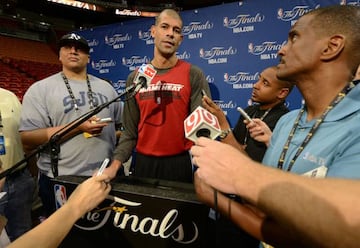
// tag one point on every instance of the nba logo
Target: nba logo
(60, 195)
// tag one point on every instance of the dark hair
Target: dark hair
(344, 20)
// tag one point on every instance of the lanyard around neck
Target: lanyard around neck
(73, 99)
(341, 95)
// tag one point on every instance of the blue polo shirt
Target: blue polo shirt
(335, 145)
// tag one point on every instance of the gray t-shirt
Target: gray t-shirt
(47, 103)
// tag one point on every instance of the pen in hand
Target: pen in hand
(103, 166)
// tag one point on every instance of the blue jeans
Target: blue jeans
(16, 205)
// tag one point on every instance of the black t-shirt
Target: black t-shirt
(255, 149)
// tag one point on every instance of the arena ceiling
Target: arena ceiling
(83, 17)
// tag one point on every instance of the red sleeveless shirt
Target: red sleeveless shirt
(164, 106)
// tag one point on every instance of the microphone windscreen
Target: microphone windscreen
(201, 123)
(144, 75)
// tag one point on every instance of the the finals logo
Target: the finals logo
(243, 22)
(266, 50)
(194, 30)
(295, 13)
(217, 55)
(117, 41)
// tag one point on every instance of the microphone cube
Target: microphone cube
(201, 123)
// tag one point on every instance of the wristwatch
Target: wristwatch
(224, 133)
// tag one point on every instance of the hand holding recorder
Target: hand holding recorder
(95, 126)
(244, 114)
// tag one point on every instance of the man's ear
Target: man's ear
(284, 92)
(152, 31)
(334, 47)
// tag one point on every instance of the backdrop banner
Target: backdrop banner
(232, 43)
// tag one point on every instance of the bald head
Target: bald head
(168, 12)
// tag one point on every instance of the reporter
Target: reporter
(84, 198)
(293, 211)
(268, 95)
(321, 58)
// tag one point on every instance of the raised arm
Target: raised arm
(213, 108)
(51, 232)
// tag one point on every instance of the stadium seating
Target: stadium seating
(22, 62)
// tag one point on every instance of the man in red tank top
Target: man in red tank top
(154, 118)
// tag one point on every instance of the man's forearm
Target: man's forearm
(317, 210)
(39, 236)
(34, 138)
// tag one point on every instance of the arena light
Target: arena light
(80, 5)
(128, 12)
(121, 9)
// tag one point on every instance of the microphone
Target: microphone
(144, 75)
(201, 123)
